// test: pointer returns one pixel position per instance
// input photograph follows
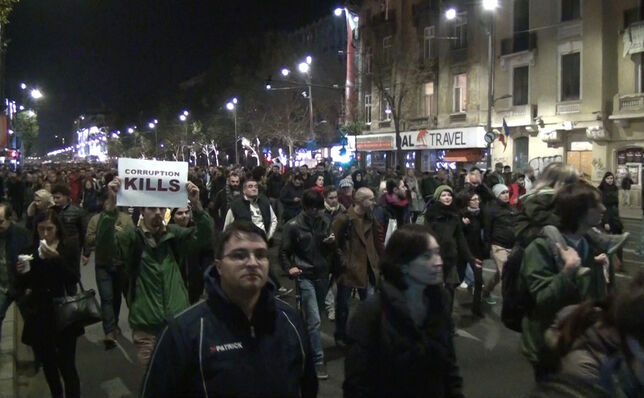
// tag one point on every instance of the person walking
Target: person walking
(627, 183)
(242, 341)
(400, 343)
(52, 273)
(307, 241)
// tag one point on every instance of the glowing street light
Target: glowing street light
(232, 106)
(309, 59)
(23, 86)
(36, 94)
(182, 117)
(490, 4)
(338, 11)
(130, 130)
(186, 113)
(285, 72)
(303, 67)
(235, 100)
(151, 125)
(450, 14)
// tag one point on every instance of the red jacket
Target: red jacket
(74, 188)
(515, 193)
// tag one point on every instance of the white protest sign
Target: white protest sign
(151, 183)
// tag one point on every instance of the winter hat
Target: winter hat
(346, 183)
(498, 188)
(442, 188)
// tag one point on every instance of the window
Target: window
(385, 110)
(570, 10)
(368, 59)
(386, 50)
(570, 76)
(639, 76)
(520, 85)
(427, 99)
(367, 109)
(428, 41)
(521, 145)
(460, 32)
(460, 93)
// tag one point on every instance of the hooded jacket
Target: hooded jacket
(213, 350)
(538, 211)
(156, 290)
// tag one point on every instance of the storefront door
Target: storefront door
(582, 160)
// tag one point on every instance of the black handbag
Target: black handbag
(80, 310)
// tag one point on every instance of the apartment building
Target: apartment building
(567, 81)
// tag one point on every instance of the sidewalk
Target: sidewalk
(8, 354)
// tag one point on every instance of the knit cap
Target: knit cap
(346, 183)
(498, 188)
(442, 188)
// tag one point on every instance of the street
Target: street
(488, 355)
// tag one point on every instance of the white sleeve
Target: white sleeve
(273, 227)
(230, 218)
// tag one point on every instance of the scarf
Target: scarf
(331, 209)
(474, 211)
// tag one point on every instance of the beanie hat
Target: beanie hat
(442, 188)
(498, 188)
(346, 183)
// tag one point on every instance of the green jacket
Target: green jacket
(155, 288)
(552, 290)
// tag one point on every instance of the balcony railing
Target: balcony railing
(628, 104)
(519, 42)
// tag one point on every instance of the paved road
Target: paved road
(488, 355)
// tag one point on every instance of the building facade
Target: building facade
(567, 83)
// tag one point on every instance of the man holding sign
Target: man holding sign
(150, 254)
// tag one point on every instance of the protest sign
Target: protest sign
(151, 183)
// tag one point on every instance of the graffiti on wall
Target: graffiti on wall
(540, 163)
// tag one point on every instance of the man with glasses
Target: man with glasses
(254, 207)
(241, 341)
(149, 255)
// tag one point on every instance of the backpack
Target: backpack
(516, 299)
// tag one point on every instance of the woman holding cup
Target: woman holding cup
(53, 272)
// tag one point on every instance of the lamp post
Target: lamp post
(352, 20)
(232, 106)
(183, 117)
(152, 125)
(305, 68)
(490, 6)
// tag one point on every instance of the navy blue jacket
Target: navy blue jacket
(212, 350)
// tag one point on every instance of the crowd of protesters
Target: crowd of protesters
(206, 305)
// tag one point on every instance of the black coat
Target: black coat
(213, 346)
(498, 224)
(610, 199)
(17, 241)
(287, 196)
(390, 356)
(303, 246)
(446, 224)
(47, 279)
(474, 234)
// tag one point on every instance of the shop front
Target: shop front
(425, 150)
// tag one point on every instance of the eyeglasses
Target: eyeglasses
(242, 255)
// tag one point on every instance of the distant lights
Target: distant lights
(338, 11)
(151, 125)
(303, 67)
(285, 72)
(450, 14)
(490, 4)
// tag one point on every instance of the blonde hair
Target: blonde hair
(555, 176)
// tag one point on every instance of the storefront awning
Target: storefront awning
(471, 155)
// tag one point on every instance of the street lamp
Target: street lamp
(232, 106)
(450, 14)
(36, 94)
(152, 125)
(490, 5)
(305, 69)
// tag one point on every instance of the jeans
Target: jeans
(312, 293)
(5, 302)
(109, 289)
(342, 307)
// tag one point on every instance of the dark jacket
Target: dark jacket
(610, 199)
(48, 278)
(241, 210)
(474, 234)
(213, 350)
(303, 246)
(331, 215)
(90, 201)
(446, 224)
(499, 221)
(390, 356)
(17, 241)
(74, 221)
(273, 186)
(287, 197)
(222, 202)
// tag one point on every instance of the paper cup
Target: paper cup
(25, 258)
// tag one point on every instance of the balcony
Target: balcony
(518, 43)
(517, 115)
(564, 108)
(628, 106)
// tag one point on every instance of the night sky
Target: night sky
(118, 55)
